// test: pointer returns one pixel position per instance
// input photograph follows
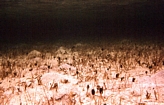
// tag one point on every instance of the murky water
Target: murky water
(27, 21)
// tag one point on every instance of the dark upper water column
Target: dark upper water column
(50, 21)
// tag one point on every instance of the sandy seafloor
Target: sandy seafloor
(88, 37)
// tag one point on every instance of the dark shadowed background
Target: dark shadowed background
(50, 20)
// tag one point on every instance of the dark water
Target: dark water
(45, 22)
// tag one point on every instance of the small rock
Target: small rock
(34, 54)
